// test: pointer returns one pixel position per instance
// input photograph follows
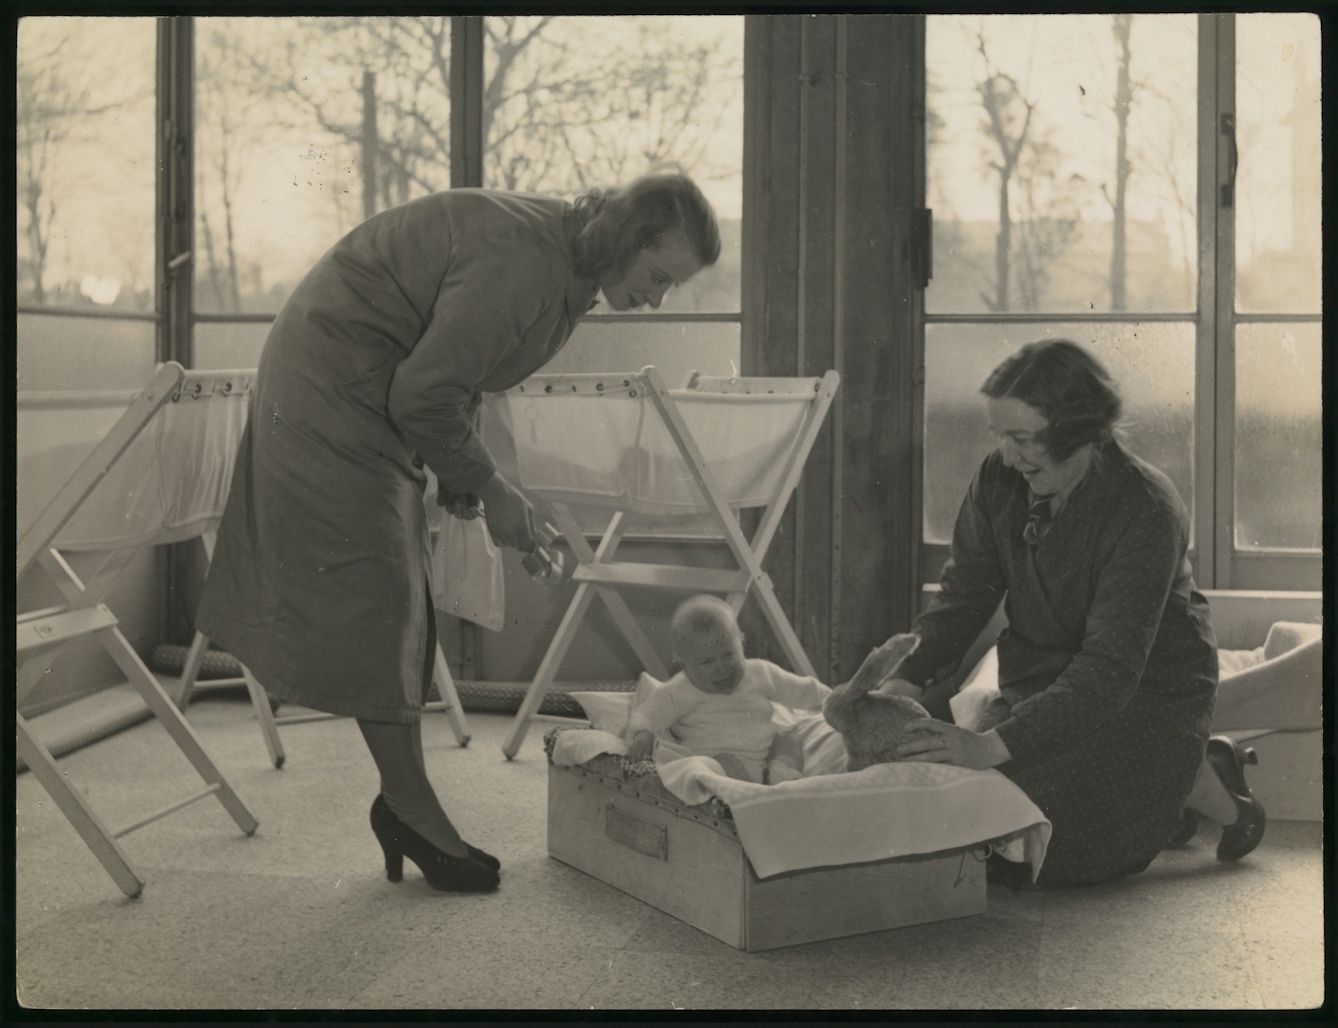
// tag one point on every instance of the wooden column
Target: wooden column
(833, 197)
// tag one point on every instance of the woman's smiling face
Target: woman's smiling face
(1018, 427)
(652, 272)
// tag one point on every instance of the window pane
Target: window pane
(84, 158)
(1034, 209)
(1278, 196)
(285, 165)
(1279, 464)
(229, 345)
(573, 103)
(675, 348)
(60, 353)
(1153, 365)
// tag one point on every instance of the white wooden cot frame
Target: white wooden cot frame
(127, 463)
(160, 475)
(698, 463)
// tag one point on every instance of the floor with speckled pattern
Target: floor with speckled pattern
(300, 916)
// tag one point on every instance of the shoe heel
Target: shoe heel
(394, 865)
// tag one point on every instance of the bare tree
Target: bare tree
(1018, 149)
(553, 118)
(1124, 97)
(230, 122)
(48, 108)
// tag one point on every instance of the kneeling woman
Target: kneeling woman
(1108, 666)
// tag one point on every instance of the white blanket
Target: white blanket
(831, 817)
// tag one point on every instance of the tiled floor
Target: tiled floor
(301, 916)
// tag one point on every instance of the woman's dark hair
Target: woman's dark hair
(1067, 386)
(614, 225)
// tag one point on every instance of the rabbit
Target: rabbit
(873, 726)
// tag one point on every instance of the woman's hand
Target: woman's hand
(943, 743)
(509, 513)
(464, 506)
(641, 746)
(898, 687)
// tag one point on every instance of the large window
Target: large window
(84, 163)
(1086, 176)
(306, 126)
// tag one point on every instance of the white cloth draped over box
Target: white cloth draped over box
(627, 443)
(888, 810)
(1276, 687)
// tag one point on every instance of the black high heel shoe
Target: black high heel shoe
(1228, 760)
(442, 871)
(484, 858)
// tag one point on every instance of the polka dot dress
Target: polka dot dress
(1108, 667)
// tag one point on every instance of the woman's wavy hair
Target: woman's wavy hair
(1067, 386)
(614, 225)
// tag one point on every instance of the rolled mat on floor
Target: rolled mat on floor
(492, 697)
(87, 720)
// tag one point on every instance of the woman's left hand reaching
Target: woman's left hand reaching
(459, 505)
(945, 743)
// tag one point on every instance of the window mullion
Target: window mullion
(1224, 437)
(466, 102)
(175, 190)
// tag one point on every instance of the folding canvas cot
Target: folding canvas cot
(159, 476)
(627, 443)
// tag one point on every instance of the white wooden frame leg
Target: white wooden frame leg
(617, 607)
(191, 670)
(450, 699)
(96, 835)
(623, 619)
(265, 715)
(557, 649)
(162, 707)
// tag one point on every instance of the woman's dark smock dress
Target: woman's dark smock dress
(1108, 666)
(374, 368)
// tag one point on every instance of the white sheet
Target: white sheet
(832, 817)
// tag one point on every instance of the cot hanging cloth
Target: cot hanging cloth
(626, 443)
(172, 486)
(158, 476)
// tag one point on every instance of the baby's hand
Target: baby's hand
(641, 746)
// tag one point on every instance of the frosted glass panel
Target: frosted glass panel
(1153, 365)
(1279, 461)
(675, 348)
(83, 353)
(222, 345)
(1279, 203)
(1061, 162)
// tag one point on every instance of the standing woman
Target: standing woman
(1108, 666)
(374, 368)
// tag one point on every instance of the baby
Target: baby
(719, 705)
